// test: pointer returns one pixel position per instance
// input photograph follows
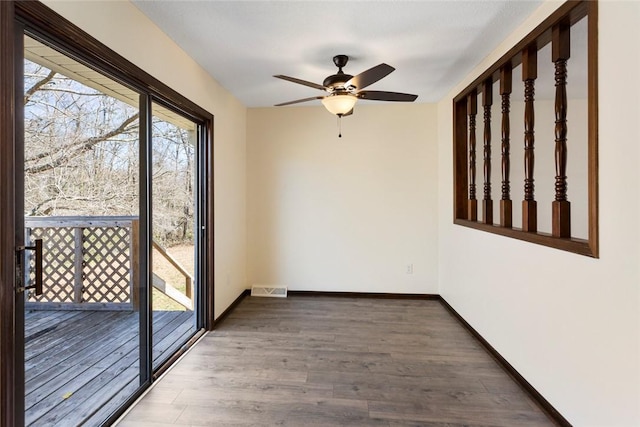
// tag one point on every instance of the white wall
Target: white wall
(123, 28)
(343, 214)
(568, 323)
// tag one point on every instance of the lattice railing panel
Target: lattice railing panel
(87, 262)
(57, 262)
(106, 264)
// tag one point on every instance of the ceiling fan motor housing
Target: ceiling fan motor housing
(337, 81)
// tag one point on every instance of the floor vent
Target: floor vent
(269, 291)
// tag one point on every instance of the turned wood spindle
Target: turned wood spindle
(506, 208)
(487, 202)
(529, 75)
(561, 208)
(472, 110)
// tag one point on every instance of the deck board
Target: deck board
(84, 364)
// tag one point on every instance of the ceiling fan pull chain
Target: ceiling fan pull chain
(339, 125)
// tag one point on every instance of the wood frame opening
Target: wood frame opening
(555, 30)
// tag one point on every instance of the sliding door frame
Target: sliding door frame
(8, 242)
(34, 18)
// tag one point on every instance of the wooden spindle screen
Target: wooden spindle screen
(555, 30)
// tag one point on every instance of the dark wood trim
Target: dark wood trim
(18, 207)
(543, 403)
(378, 295)
(209, 302)
(577, 246)
(592, 85)
(7, 216)
(231, 307)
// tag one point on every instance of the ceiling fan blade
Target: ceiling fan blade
(300, 82)
(377, 95)
(299, 100)
(370, 76)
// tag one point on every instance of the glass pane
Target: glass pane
(82, 352)
(174, 142)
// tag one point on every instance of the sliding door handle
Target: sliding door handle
(37, 247)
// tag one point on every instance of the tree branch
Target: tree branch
(33, 89)
(75, 149)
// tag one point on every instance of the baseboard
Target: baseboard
(231, 307)
(364, 295)
(543, 403)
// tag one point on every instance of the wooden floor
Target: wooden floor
(323, 361)
(82, 365)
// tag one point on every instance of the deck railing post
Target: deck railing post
(529, 75)
(78, 252)
(561, 208)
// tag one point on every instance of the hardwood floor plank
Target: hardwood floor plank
(457, 413)
(223, 387)
(155, 412)
(333, 361)
(134, 423)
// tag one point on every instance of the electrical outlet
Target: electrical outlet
(409, 268)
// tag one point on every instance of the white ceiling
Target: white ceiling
(242, 44)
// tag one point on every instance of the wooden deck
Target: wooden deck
(81, 365)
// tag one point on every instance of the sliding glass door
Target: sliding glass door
(109, 197)
(174, 142)
(81, 204)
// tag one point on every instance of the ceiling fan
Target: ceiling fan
(344, 90)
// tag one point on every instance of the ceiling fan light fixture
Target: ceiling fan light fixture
(339, 104)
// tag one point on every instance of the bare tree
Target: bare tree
(82, 156)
